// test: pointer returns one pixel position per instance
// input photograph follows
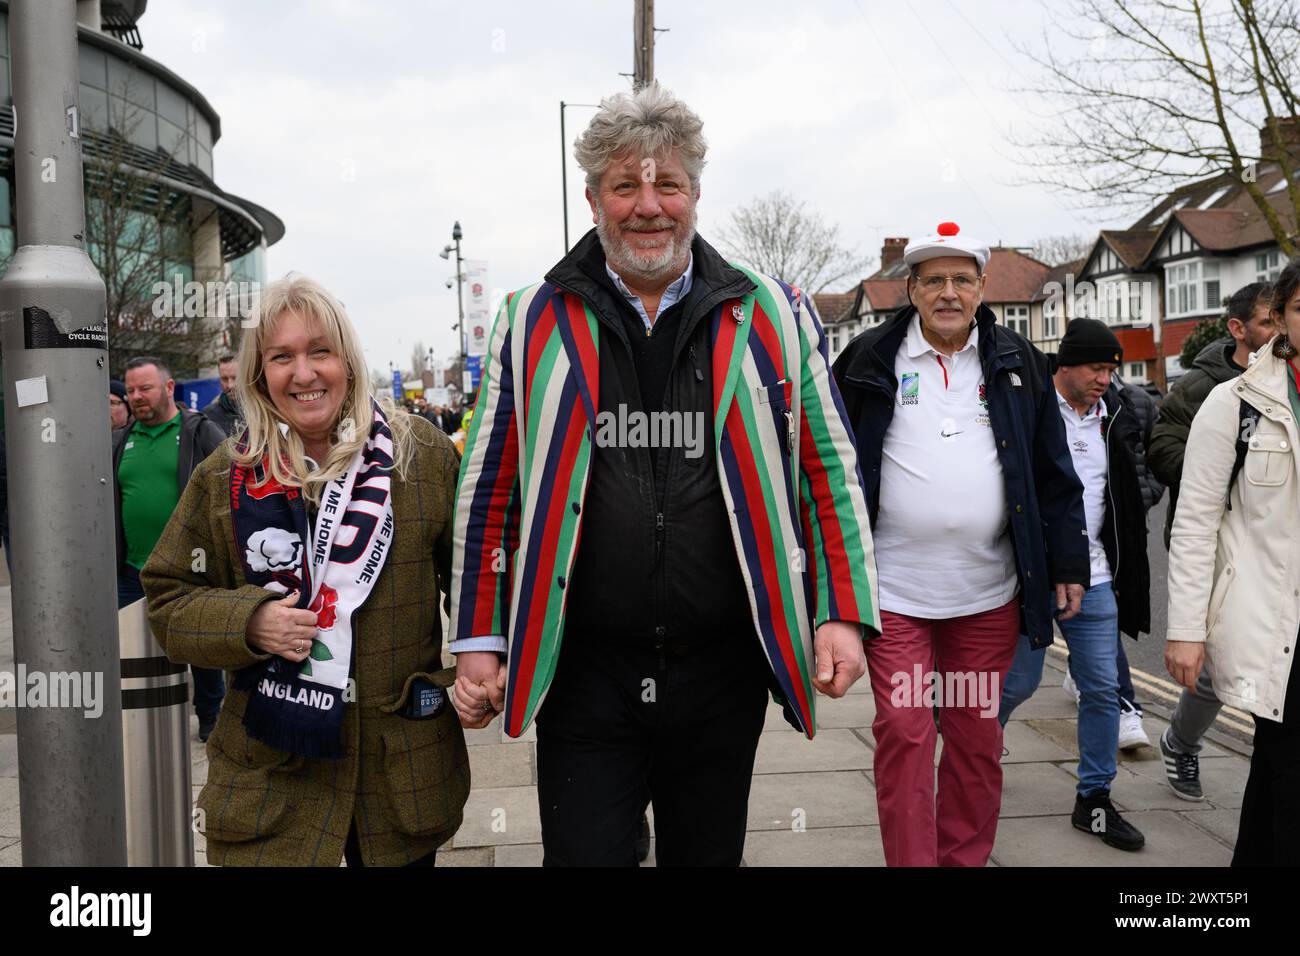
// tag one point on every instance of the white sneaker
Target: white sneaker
(1131, 734)
(1070, 687)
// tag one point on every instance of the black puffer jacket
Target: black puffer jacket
(1212, 366)
(1145, 410)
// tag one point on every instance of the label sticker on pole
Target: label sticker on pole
(41, 332)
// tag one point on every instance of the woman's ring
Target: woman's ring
(297, 647)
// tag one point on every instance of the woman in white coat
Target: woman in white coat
(1234, 573)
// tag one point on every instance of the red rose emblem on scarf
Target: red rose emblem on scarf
(324, 607)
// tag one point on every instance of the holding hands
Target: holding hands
(479, 693)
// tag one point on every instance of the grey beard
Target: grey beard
(622, 259)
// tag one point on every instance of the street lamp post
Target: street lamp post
(564, 167)
(454, 245)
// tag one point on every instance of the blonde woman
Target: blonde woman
(307, 556)
(1234, 573)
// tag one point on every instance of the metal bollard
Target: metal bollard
(155, 747)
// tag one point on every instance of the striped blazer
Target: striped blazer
(794, 494)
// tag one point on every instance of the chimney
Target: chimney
(891, 252)
(1289, 128)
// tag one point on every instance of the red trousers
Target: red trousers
(970, 657)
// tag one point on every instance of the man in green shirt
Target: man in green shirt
(153, 459)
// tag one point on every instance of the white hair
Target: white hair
(647, 122)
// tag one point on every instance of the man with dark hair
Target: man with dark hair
(223, 411)
(119, 412)
(1103, 434)
(153, 459)
(1250, 324)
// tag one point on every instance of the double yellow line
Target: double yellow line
(1169, 692)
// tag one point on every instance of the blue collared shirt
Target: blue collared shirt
(675, 292)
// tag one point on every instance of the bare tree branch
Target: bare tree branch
(778, 235)
(1150, 95)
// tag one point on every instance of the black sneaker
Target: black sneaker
(1094, 813)
(206, 724)
(1183, 771)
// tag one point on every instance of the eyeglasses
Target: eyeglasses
(961, 283)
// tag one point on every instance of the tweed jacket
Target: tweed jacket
(783, 451)
(404, 782)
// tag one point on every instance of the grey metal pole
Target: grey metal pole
(460, 306)
(564, 178)
(643, 43)
(52, 326)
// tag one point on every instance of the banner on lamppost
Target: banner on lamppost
(478, 307)
(439, 377)
(397, 385)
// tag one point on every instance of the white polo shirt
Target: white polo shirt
(942, 541)
(1083, 433)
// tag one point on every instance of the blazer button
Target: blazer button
(1286, 650)
(1004, 443)
(660, 631)
(560, 582)
(577, 508)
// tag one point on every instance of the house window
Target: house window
(1135, 373)
(1018, 319)
(1049, 321)
(1268, 266)
(1192, 288)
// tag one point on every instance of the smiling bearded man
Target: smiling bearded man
(646, 645)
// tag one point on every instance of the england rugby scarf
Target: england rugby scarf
(299, 707)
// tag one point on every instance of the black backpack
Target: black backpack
(1249, 417)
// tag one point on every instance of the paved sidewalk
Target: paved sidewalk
(813, 803)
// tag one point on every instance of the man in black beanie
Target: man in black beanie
(119, 412)
(1104, 438)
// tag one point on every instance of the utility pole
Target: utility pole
(54, 334)
(643, 43)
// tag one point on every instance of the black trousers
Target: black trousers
(1269, 831)
(623, 726)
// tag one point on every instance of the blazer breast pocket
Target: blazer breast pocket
(777, 398)
(778, 394)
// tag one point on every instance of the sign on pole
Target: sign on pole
(478, 308)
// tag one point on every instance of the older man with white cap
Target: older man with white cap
(979, 530)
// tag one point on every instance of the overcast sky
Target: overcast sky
(369, 126)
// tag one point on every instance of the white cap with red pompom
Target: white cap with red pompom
(947, 242)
